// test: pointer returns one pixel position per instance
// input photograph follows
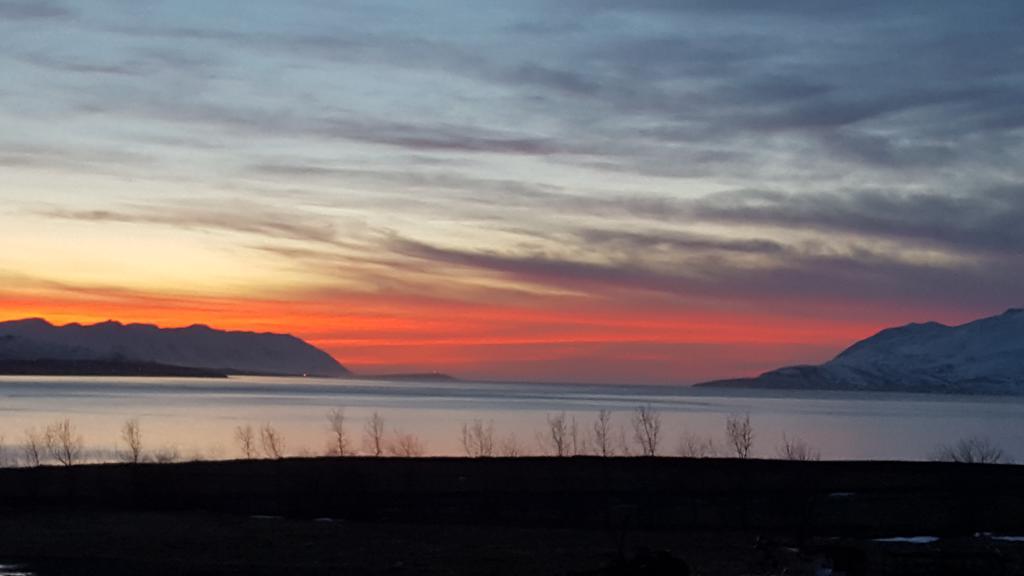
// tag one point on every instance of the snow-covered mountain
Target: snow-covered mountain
(984, 356)
(196, 346)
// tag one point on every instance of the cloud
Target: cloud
(266, 123)
(983, 221)
(791, 91)
(584, 135)
(97, 159)
(977, 221)
(32, 10)
(237, 216)
(451, 182)
(790, 276)
(631, 244)
(146, 62)
(438, 137)
(736, 88)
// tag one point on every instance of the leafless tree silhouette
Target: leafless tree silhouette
(972, 450)
(166, 455)
(510, 447)
(740, 435)
(246, 438)
(577, 443)
(797, 449)
(647, 429)
(131, 434)
(693, 446)
(339, 436)
(478, 439)
(63, 443)
(373, 435)
(602, 434)
(557, 440)
(272, 441)
(33, 447)
(405, 445)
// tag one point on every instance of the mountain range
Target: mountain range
(37, 346)
(985, 356)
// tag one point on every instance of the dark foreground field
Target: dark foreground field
(513, 516)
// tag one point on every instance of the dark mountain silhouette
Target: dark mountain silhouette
(981, 357)
(35, 344)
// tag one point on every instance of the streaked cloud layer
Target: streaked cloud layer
(582, 190)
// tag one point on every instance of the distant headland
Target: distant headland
(35, 346)
(985, 356)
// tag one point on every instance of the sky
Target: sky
(653, 191)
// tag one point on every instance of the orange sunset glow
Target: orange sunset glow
(467, 193)
(571, 338)
(531, 287)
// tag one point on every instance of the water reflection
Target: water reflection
(198, 418)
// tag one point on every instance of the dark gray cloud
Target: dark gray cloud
(423, 136)
(32, 10)
(438, 137)
(792, 275)
(985, 221)
(876, 85)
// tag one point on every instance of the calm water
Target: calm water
(197, 418)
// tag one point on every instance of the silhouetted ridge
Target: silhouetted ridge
(983, 356)
(198, 346)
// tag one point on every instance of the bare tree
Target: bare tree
(339, 437)
(166, 455)
(33, 447)
(131, 434)
(972, 450)
(624, 448)
(63, 442)
(556, 441)
(246, 438)
(740, 435)
(577, 444)
(602, 434)
(405, 445)
(373, 435)
(693, 446)
(478, 439)
(510, 447)
(797, 449)
(272, 441)
(647, 429)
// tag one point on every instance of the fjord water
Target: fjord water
(197, 417)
